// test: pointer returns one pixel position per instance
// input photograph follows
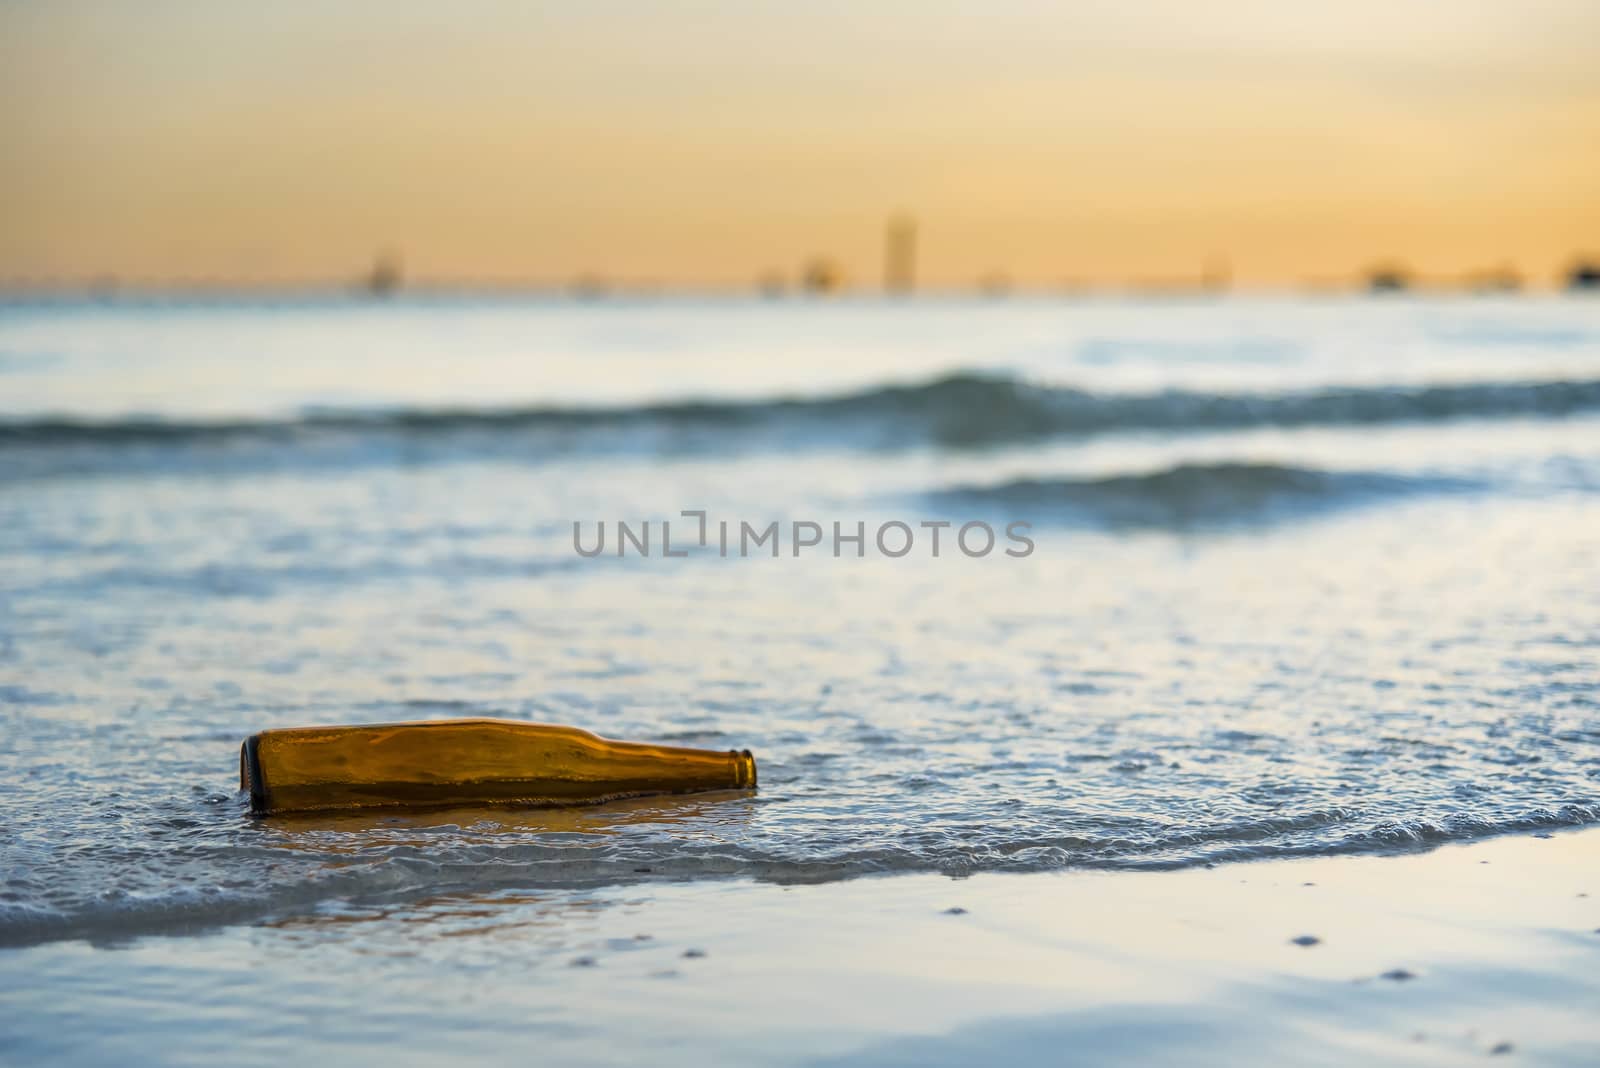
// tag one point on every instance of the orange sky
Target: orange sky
(699, 143)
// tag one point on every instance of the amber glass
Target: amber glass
(466, 761)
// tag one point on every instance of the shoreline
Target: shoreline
(1488, 947)
(195, 912)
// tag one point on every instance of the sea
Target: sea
(986, 585)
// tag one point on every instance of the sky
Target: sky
(689, 143)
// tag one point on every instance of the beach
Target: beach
(880, 535)
(1443, 957)
(1113, 622)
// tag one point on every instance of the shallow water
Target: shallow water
(1307, 577)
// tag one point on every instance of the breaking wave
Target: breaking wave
(958, 411)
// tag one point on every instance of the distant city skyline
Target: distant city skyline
(821, 276)
(714, 145)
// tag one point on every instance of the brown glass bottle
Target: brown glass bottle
(470, 761)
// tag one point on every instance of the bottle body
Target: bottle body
(470, 761)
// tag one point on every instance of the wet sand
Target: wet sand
(1489, 949)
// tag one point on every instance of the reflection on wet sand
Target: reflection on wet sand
(463, 915)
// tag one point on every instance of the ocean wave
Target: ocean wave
(957, 411)
(1192, 493)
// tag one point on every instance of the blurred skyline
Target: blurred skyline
(699, 144)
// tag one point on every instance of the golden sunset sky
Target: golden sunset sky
(696, 143)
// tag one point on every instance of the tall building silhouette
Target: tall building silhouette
(900, 254)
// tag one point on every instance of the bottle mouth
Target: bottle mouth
(744, 769)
